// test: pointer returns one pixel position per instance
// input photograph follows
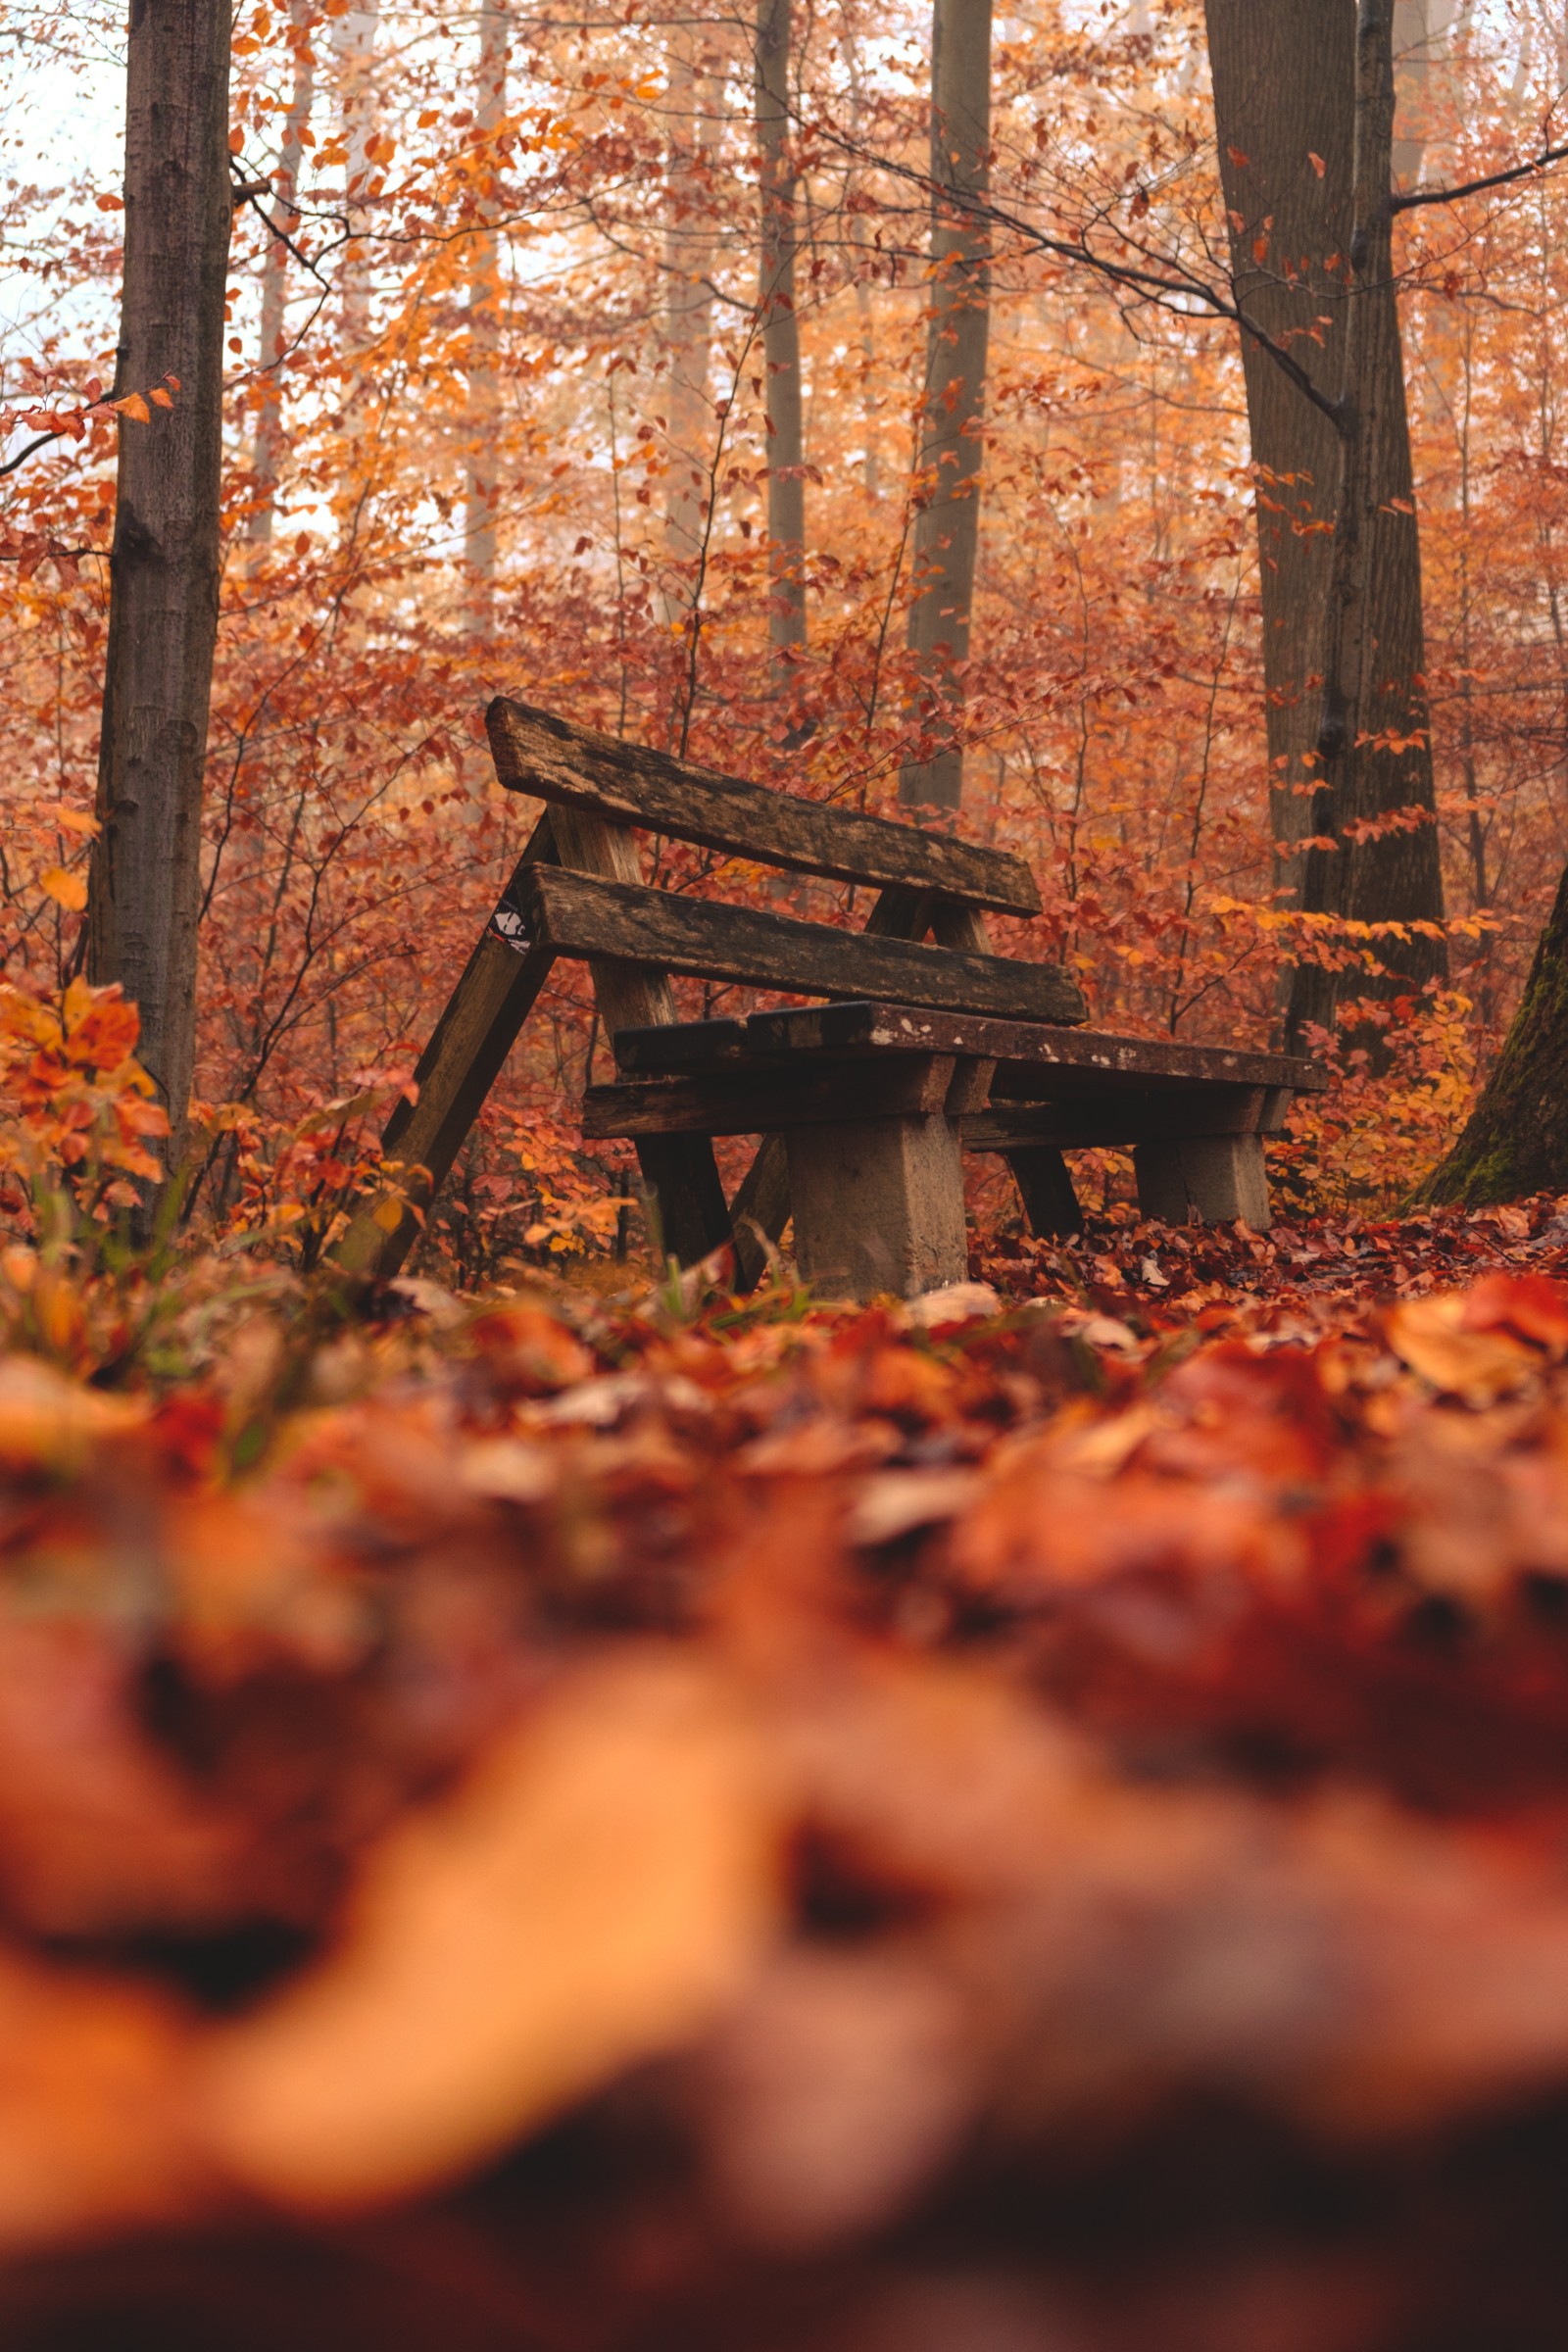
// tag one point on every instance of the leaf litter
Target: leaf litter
(1033, 1820)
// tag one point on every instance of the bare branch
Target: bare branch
(1474, 187)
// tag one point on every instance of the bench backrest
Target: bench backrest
(553, 759)
(595, 904)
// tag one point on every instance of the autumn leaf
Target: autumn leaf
(134, 406)
(592, 1897)
(68, 890)
(1432, 1336)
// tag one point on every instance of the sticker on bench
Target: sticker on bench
(508, 923)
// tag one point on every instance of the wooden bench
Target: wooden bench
(931, 1045)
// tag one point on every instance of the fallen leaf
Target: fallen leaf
(594, 1896)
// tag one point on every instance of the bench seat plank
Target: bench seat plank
(757, 1102)
(576, 914)
(1029, 1059)
(820, 1092)
(1134, 1116)
(554, 759)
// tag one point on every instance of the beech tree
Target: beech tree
(946, 528)
(144, 892)
(484, 306)
(1303, 103)
(781, 339)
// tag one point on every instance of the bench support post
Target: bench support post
(1207, 1180)
(1045, 1190)
(878, 1206)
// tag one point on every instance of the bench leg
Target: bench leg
(681, 1177)
(878, 1206)
(1046, 1189)
(759, 1212)
(1207, 1180)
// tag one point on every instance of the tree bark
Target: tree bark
(1285, 102)
(1374, 754)
(164, 563)
(1516, 1138)
(781, 341)
(268, 443)
(354, 46)
(689, 242)
(484, 337)
(946, 528)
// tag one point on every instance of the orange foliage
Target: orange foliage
(826, 1758)
(484, 330)
(548, 1818)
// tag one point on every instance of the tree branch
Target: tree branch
(1474, 187)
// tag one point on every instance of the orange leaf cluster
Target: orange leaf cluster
(819, 1766)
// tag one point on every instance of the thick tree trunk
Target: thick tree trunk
(1516, 1138)
(781, 341)
(946, 529)
(1285, 101)
(484, 338)
(1374, 768)
(164, 563)
(268, 442)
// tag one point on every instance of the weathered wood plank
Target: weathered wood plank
(689, 1217)
(1046, 1189)
(456, 1071)
(577, 916)
(1045, 1184)
(562, 763)
(1027, 1057)
(905, 1086)
(1077, 1123)
(761, 1210)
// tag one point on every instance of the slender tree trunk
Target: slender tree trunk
(1285, 79)
(164, 563)
(268, 443)
(781, 341)
(946, 528)
(864, 263)
(354, 43)
(689, 242)
(484, 337)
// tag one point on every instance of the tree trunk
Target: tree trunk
(353, 45)
(164, 563)
(946, 528)
(1285, 101)
(484, 338)
(1374, 738)
(1516, 1138)
(689, 242)
(781, 342)
(268, 443)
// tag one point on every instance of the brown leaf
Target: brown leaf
(91, 2132)
(1431, 1337)
(596, 1895)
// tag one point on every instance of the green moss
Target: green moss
(1476, 1174)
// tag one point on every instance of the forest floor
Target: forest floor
(1036, 1822)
